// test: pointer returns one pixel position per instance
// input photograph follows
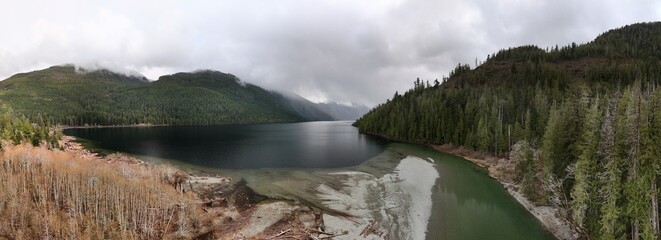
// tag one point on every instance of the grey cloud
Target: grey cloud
(345, 51)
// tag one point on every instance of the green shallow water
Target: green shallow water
(470, 205)
(467, 204)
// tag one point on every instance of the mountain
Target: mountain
(304, 107)
(325, 110)
(515, 88)
(342, 112)
(581, 125)
(73, 96)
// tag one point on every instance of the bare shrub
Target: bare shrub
(51, 194)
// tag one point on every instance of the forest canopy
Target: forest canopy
(67, 95)
(585, 119)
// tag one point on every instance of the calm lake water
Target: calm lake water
(292, 160)
(252, 146)
(468, 204)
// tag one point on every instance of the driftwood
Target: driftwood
(324, 233)
(371, 228)
(318, 232)
(280, 234)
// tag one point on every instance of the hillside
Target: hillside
(584, 119)
(72, 96)
(515, 83)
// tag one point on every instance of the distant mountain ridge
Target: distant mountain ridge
(343, 112)
(75, 96)
(325, 110)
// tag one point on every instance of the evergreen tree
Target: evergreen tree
(635, 187)
(610, 181)
(526, 168)
(549, 141)
(596, 124)
(583, 192)
(652, 156)
(483, 136)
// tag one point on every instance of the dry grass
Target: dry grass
(47, 194)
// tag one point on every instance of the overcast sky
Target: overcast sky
(338, 50)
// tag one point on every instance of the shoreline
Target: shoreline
(246, 213)
(140, 125)
(202, 184)
(235, 210)
(548, 216)
(396, 205)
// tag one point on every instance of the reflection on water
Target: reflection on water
(252, 146)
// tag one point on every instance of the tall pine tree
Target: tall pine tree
(584, 192)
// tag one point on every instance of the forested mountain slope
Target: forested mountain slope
(72, 96)
(586, 119)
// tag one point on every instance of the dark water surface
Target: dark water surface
(253, 146)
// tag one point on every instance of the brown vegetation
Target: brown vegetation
(54, 194)
(76, 194)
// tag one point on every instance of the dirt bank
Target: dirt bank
(502, 170)
(236, 212)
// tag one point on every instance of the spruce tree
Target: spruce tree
(635, 187)
(609, 180)
(583, 192)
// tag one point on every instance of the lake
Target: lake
(251, 146)
(412, 191)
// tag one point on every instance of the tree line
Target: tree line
(18, 129)
(62, 95)
(582, 123)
